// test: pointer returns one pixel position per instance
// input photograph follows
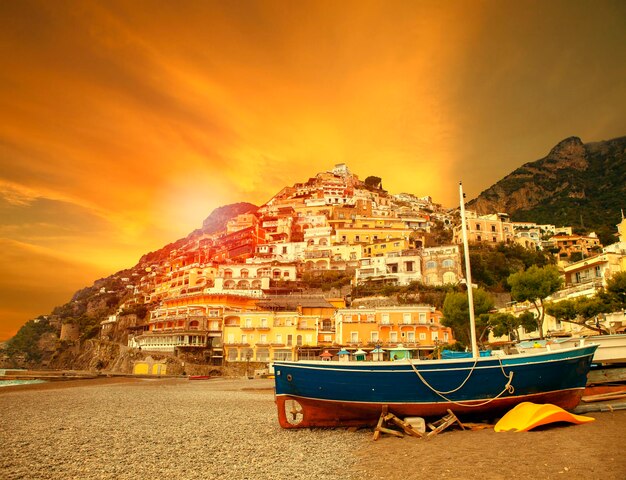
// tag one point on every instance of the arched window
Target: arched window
(244, 273)
(448, 263)
(228, 273)
(229, 284)
(431, 264)
(449, 277)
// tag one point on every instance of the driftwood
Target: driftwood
(386, 418)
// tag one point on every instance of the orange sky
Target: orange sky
(123, 124)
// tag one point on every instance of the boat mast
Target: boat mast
(468, 275)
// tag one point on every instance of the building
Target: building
(190, 322)
(417, 327)
(285, 328)
(441, 265)
(491, 229)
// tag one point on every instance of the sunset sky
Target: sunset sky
(123, 124)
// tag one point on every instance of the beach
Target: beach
(123, 428)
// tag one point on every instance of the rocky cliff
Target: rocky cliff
(577, 184)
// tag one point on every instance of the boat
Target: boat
(332, 394)
(611, 348)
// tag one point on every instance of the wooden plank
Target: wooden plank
(406, 427)
(606, 397)
(606, 375)
(390, 432)
(380, 422)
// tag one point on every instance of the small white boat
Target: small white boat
(611, 348)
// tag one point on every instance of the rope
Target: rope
(508, 387)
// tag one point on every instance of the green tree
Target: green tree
(505, 324)
(25, 341)
(584, 311)
(616, 290)
(533, 285)
(456, 314)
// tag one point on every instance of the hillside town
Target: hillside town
(243, 294)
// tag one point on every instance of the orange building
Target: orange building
(417, 327)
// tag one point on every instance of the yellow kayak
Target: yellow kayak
(528, 415)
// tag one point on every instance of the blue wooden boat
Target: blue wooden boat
(331, 394)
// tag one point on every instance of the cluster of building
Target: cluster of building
(236, 294)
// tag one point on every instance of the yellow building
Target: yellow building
(382, 248)
(282, 328)
(369, 234)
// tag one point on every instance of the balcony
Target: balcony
(263, 328)
(247, 328)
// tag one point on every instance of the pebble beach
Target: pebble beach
(123, 428)
(163, 429)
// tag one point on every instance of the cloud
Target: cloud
(34, 281)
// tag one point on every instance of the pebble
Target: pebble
(168, 430)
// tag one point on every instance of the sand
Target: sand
(110, 428)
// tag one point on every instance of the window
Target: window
(393, 337)
(385, 319)
(431, 264)
(354, 337)
(263, 338)
(422, 318)
(244, 338)
(598, 271)
(422, 336)
(328, 338)
(478, 226)
(434, 336)
(289, 339)
(448, 263)
(406, 318)
(408, 266)
(493, 228)
(299, 340)
(445, 337)
(231, 338)
(308, 338)
(264, 322)
(248, 322)
(374, 337)
(410, 337)
(279, 338)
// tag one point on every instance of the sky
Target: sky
(123, 124)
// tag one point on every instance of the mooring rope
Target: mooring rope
(508, 387)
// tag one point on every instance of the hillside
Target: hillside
(576, 184)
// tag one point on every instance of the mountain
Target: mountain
(578, 184)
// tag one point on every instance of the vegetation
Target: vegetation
(533, 285)
(456, 314)
(26, 341)
(327, 279)
(492, 266)
(584, 311)
(415, 292)
(506, 324)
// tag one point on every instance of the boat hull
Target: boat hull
(330, 394)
